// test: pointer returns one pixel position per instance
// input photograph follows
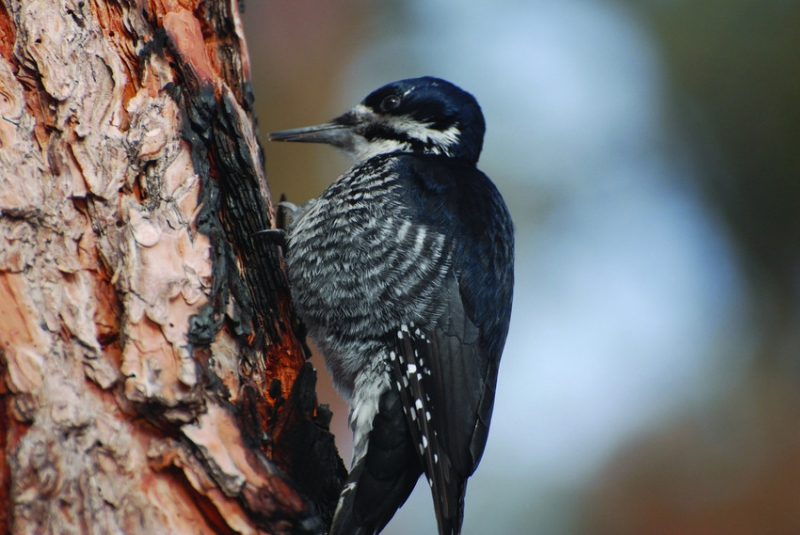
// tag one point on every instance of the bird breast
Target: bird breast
(359, 266)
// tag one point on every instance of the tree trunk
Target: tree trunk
(153, 375)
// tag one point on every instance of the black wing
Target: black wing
(447, 404)
(446, 370)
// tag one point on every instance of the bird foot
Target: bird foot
(275, 235)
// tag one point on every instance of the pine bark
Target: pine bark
(154, 378)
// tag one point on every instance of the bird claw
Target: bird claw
(288, 206)
(275, 235)
(284, 211)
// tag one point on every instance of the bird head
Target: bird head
(418, 115)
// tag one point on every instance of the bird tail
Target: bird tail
(382, 477)
(448, 500)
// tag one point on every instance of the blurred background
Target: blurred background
(649, 151)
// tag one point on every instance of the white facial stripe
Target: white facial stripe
(423, 131)
(364, 113)
(439, 141)
(364, 150)
(444, 138)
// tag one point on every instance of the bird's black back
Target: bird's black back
(457, 199)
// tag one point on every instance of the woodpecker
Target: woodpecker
(402, 270)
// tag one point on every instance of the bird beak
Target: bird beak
(323, 133)
(338, 132)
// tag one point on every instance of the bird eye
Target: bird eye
(390, 103)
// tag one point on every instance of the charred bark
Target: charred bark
(153, 379)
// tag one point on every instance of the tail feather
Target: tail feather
(449, 519)
(382, 477)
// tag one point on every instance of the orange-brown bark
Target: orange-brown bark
(147, 349)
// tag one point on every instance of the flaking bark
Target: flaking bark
(148, 351)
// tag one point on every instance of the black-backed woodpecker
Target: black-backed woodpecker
(402, 271)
